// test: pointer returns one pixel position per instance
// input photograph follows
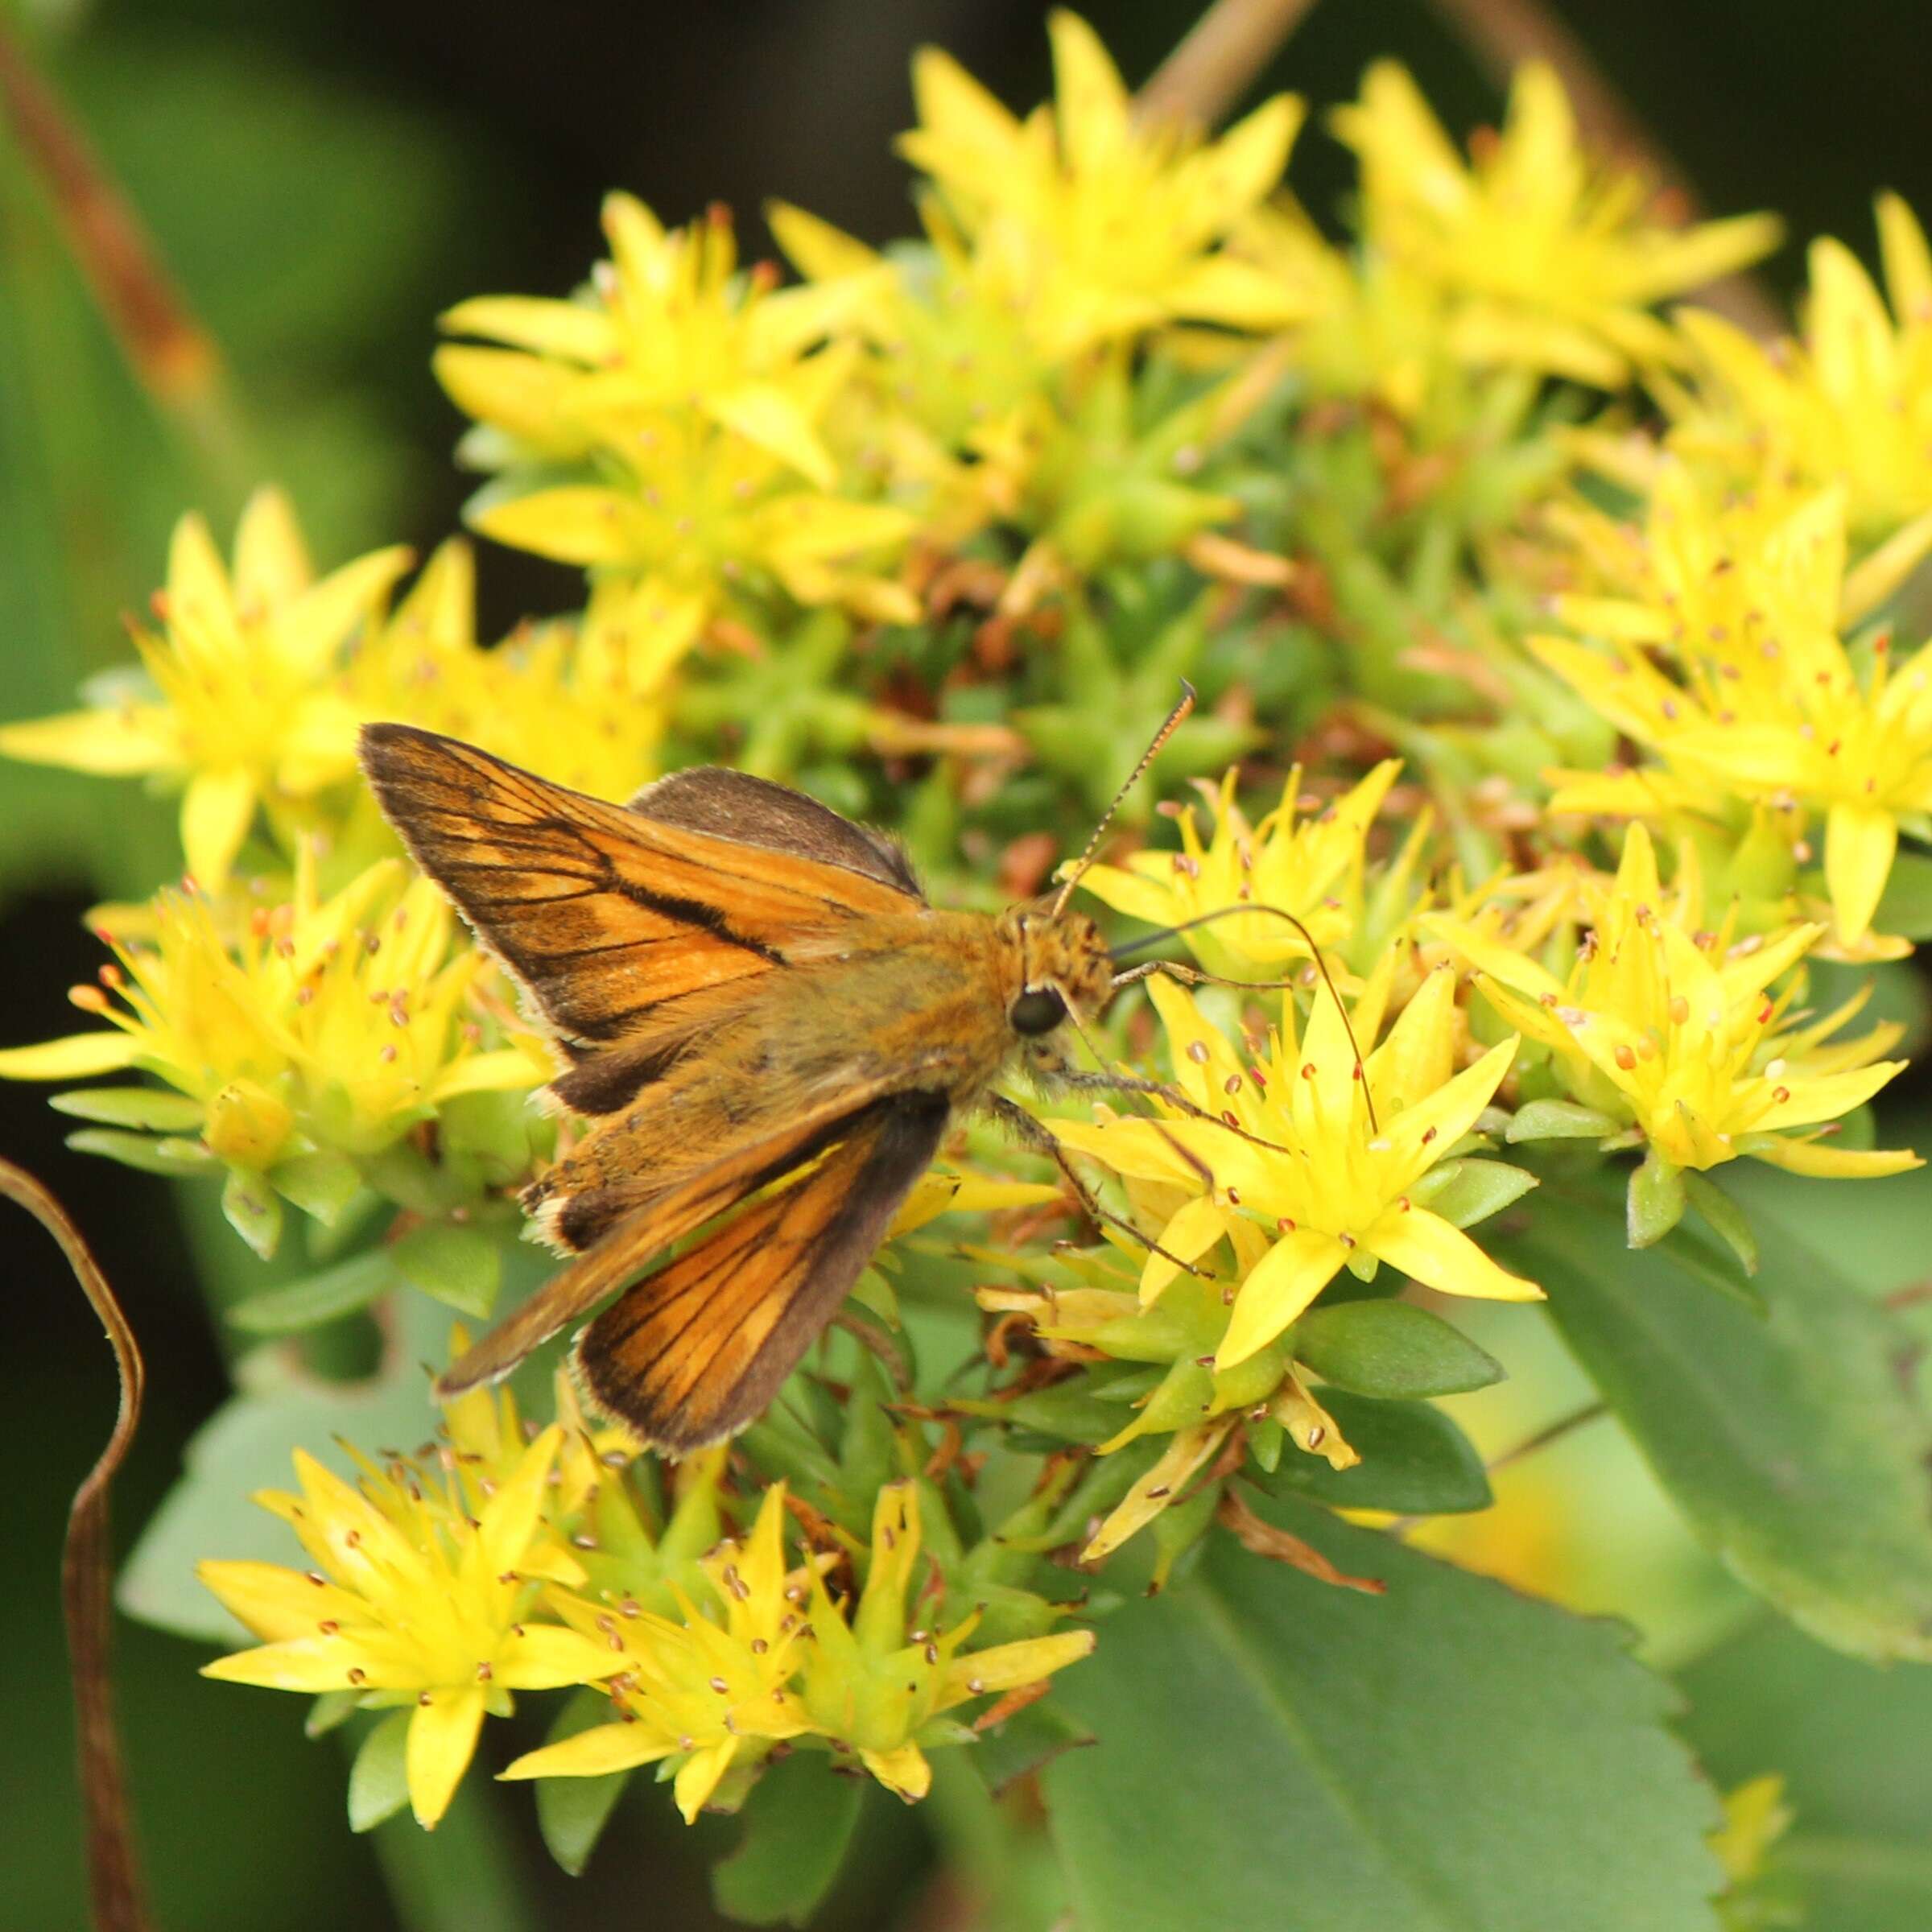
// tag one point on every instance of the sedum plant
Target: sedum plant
(1545, 629)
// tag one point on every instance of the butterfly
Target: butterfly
(769, 1029)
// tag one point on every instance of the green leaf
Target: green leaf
(1415, 1461)
(1788, 1440)
(321, 1185)
(317, 1298)
(330, 1709)
(1724, 1217)
(1392, 1349)
(155, 1109)
(1854, 1747)
(1654, 1203)
(1559, 1120)
(246, 1446)
(174, 1158)
(1450, 1757)
(571, 1812)
(1466, 1191)
(1904, 907)
(253, 1211)
(1028, 1741)
(379, 1780)
(457, 1265)
(799, 1821)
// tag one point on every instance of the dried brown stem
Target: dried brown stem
(1219, 60)
(113, 1868)
(1503, 34)
(173, 356)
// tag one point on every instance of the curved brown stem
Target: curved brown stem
(113, 1868)
(1219, 60)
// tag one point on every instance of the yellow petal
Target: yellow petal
(110, 741)
(276, 1603)
(1192, 1232)
(763, 413)
(576, 523)
(1148, 1497)
(308, 1664)
(814, 247)
(1826, 1097)
(502, 1070)
(522, 395)
(442, 1740)
(73, 1058)
(698, 1775)
(1421, 1134)
(1860, 842)
(1007, 1666)
(545, 1657)
(902, 1771)
(1425, 1247)
(574, 330)
(310, 632)
(216, 811)
(1092, 103)
(271, 562)
(1823, 1162)
(1293, 1272)
(197, 579)
(592, 1754)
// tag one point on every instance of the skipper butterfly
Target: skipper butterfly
(769, 1029)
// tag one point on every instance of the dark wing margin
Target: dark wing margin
(696, 1351)
(755, 811)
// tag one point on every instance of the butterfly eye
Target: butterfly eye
(1036, 1012)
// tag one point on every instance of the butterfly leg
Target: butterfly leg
(1035, 1134)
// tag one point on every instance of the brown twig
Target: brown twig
(1219, 60)
(113, 1868)
(173, 358)
(1503, 34)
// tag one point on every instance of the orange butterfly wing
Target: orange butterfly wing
(622, 1255)
(607, 913)
(697, 1350)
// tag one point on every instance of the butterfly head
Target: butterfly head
(1061, 965)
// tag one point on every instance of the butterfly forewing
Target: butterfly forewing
(696, 1350)
(603, 913)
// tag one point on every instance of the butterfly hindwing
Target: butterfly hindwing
(696, 1350)
(651, 1226)
(606, 915)
(755, 811)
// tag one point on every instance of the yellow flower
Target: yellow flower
(1330, 1189)
(1669, 1029)
(1850, 402)
(1093, 229)
(1312, 866)
(237, 712)
(413, 1602)
(873, 1687)
(692, 402)
(1550, 263)
(330, 1024)
(584, 700)
(772, 1657)
(709, 1690)
(1766, 704)
(1374, 328)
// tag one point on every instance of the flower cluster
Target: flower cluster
(445, 1582)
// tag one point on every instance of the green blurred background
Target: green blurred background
(325, 176)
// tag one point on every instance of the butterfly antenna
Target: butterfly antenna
(1080, 865)
(1198, 974)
